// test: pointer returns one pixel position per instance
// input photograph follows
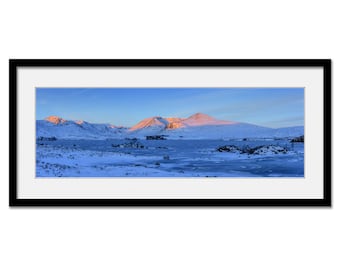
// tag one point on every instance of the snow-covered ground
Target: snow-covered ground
(169, 158)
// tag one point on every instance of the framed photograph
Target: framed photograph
(170, 132)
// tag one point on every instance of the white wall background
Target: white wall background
(227, 238)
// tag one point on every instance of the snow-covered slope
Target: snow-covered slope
(237, 130)
(197, 126)
(54, 126)
(289, 131)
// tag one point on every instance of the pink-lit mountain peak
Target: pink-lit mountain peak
(198, 116)
(55, 119)
(198, 119)
(201, 119)
(150, 122)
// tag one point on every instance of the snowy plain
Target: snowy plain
(168, 158)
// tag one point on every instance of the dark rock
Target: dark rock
(298, 139)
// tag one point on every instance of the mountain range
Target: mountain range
(197, 126)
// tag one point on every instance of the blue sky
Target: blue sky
(270, 107)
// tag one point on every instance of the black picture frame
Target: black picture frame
(14, 64)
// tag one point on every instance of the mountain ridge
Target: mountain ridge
(197, 119)
(196, 126)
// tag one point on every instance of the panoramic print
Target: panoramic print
(170, 132)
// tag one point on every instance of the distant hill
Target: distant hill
(54, 126)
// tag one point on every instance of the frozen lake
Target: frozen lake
(166, 158)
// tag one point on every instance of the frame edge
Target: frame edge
(14, 201)
(12, 132)
(327, 131)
